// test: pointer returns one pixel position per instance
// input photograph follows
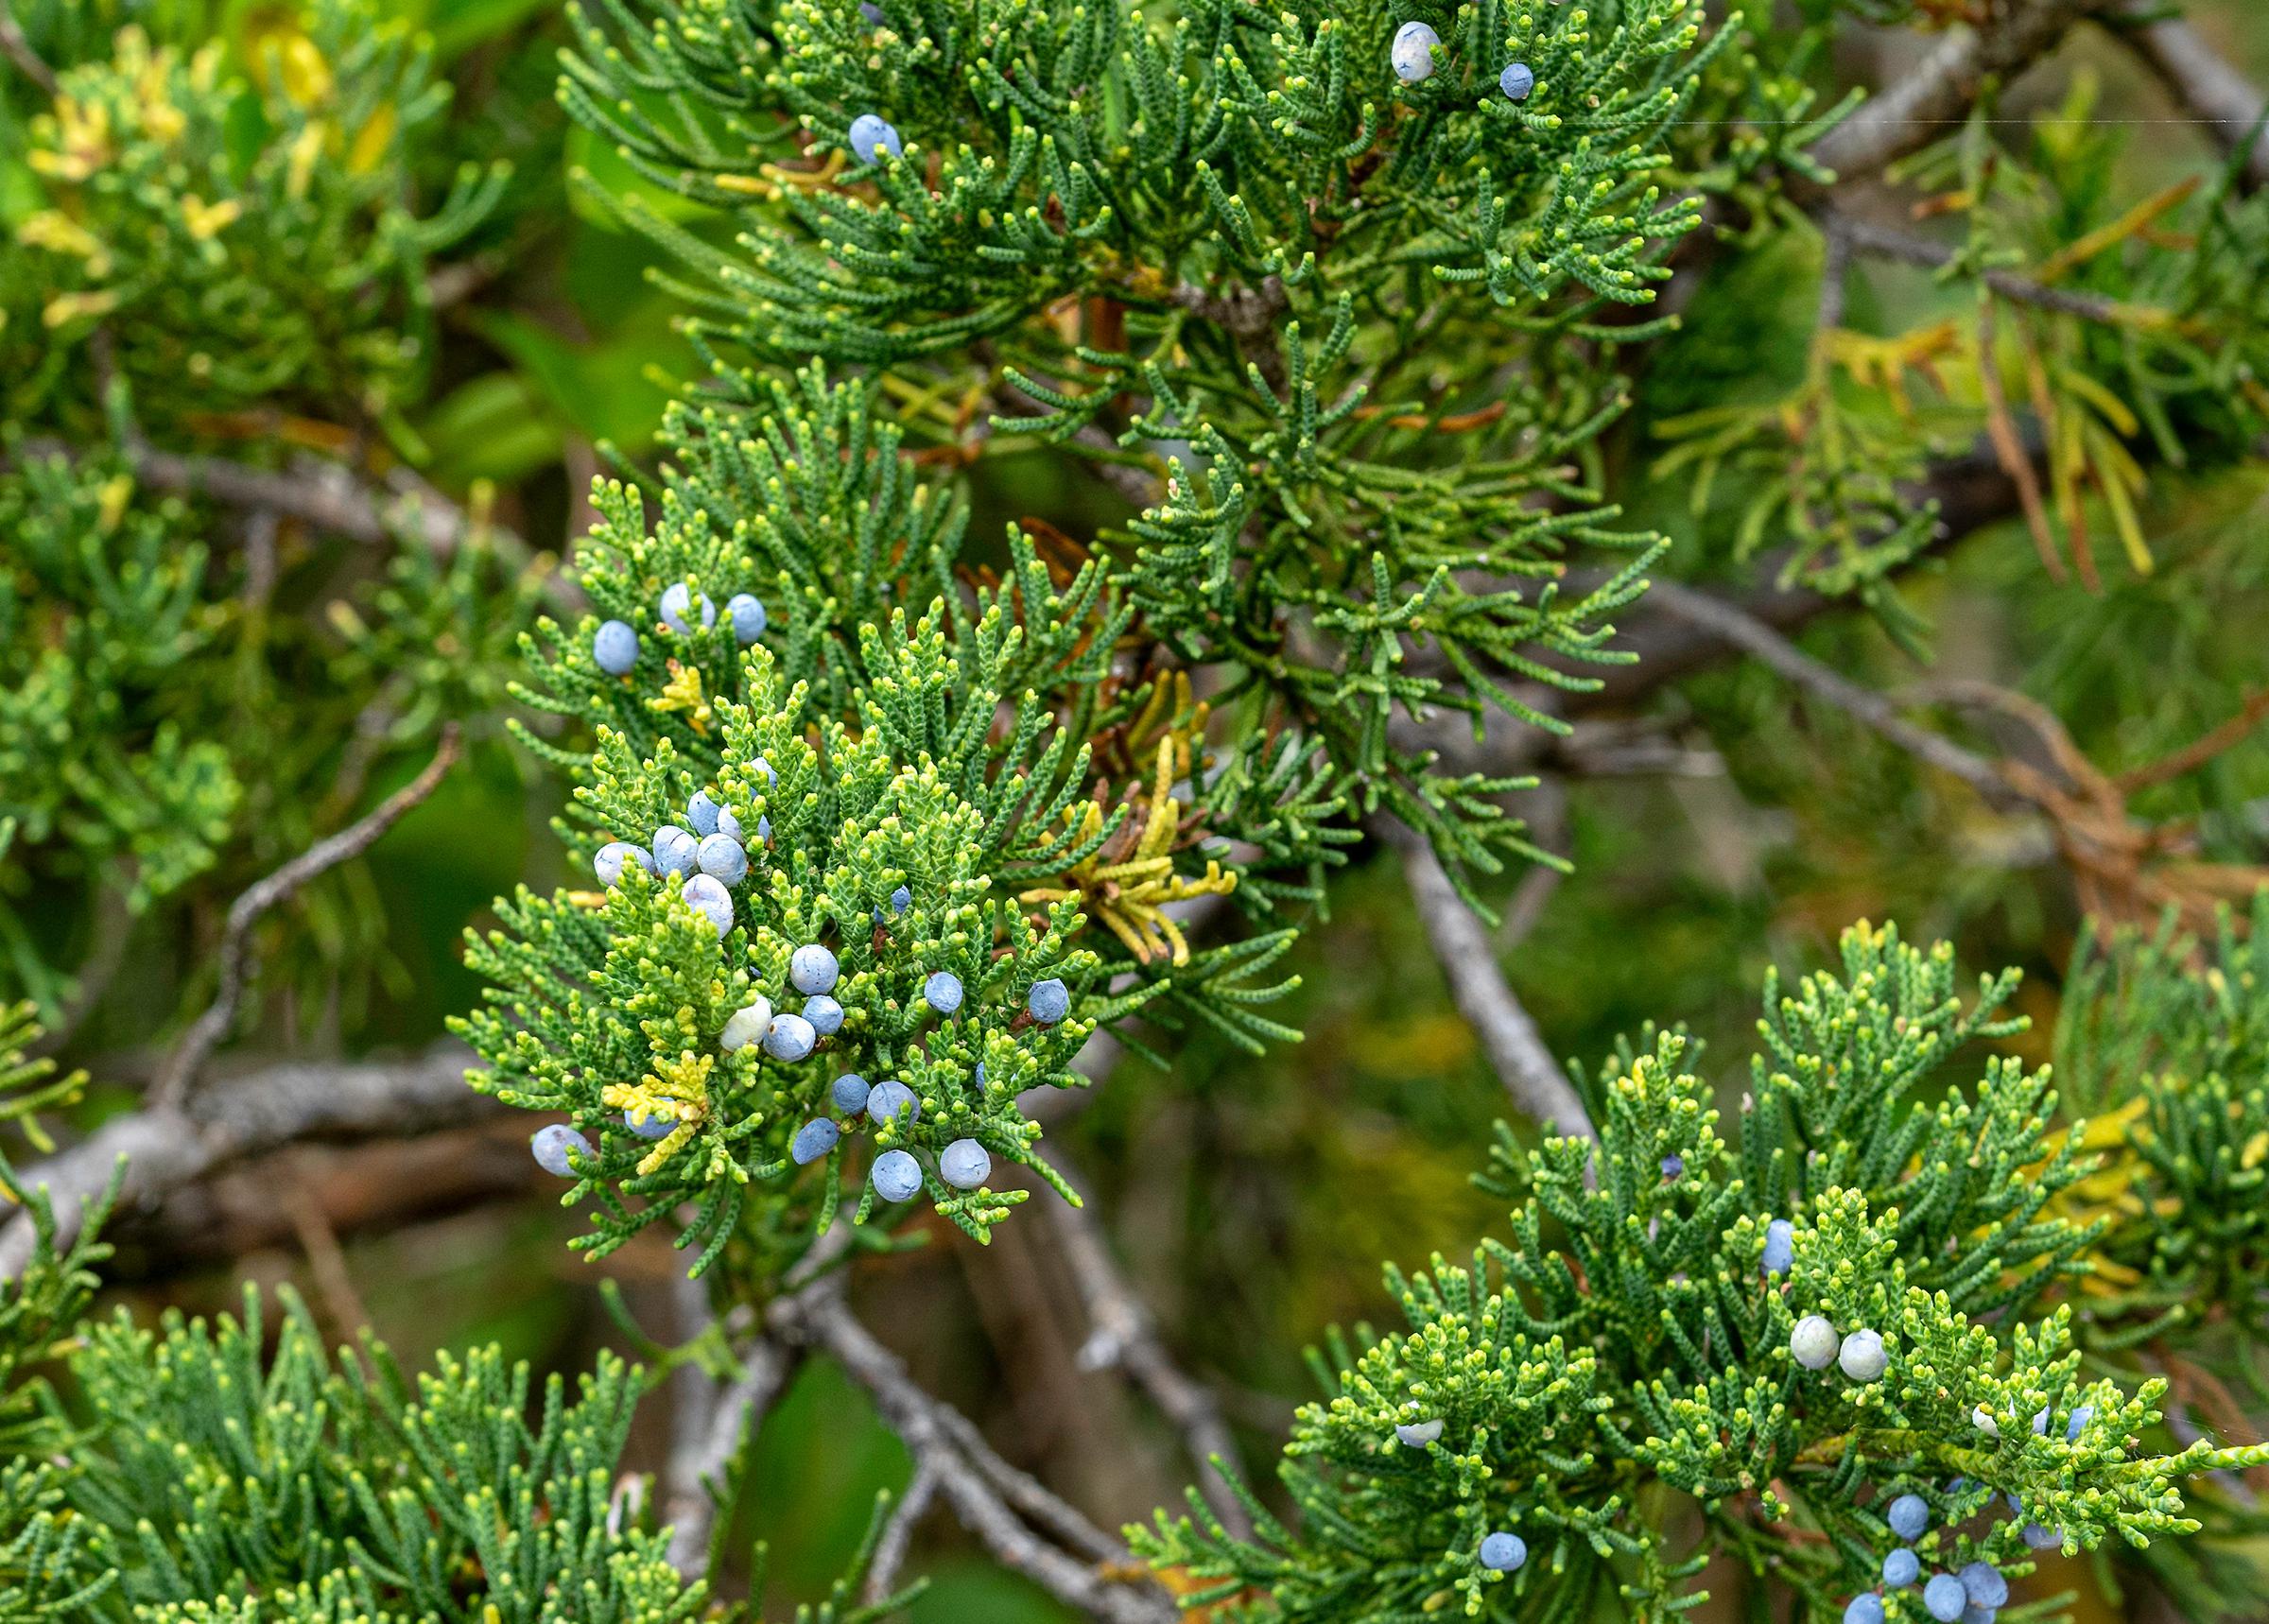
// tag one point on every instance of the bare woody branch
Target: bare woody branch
(197, 1046)
(2206, 88)
(18, 50)
(1884, 242)
(713, 1424)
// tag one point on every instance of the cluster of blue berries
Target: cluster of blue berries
(709, 859)
(615, 645)
(1815, 1344)
(896, 1176)
(1413, 56)
(1972, 1596)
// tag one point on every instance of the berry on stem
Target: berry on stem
(1901, 1568)
(889, 1100)
(747, 614)
(1863, 1356)
(553, 1144)
(614, 647)
(1814, 1342)
(850, 1093)
(824, 1013)
(1517, 81)
(812, 969)
(651, 1127)
(789, 1038)
(1865, 1608)
(1503, 1552)
(872, 135)
(814, 1140)
(965, 1165)
(1413, 53)
(943, 991)
(676, 600)
(724, 857)
(1909, 1517)
(609, 863)
(896, 1176)
(1944, 1599)
(706, 895)
(1780, 1247)
(676, 850)
(1049, 1001)
(1419, 1434)
(1983, 1583)
(701, 812)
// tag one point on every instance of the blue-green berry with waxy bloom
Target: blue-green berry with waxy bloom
(2039, 1538)
(728, 825)
(1863, 1356)
(1814, 1342)
(1944, 1599)
(813, 1140)
(824, 1013)
(747, 614)
(889, 1100)
(1503, 1552)
(2081, 1417)
(1517, 81)
(1049, 1001)
(1419, 1434)
(896, 1176)
(657, 1127)
(745, 1025)
(608, 864)
(850, 1093)
(1984, 1584)
(701, 812)
(789, 1038)
(1673, 1167)
(812, 969)
(1901, 1568)
(724, 856)
(872, 135)
(676, 850)
(1865, 1608)
(965, 1164)
(552, 1144)
(706, 895)
(1780, 1247)
(1909, 1517)
(614, 647)
(943, 991)
(901, 900)
(676, 600)
(1413, 52)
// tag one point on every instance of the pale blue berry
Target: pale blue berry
(676, 600)
(1943, 1599)
(553, 1144)
(1983, 1583)
(1419, 1434)
(871, 11)
(1814, 1342)
(814, 1140)
(764, 831)
(824, 1013)
(896, 1176)
(812, 969)
(2038, 1538)
(789, 1038)
(609, 863)
(764, 767)
(701, 812)
(1413, 52)
(850, 1092)
(746, 616)
(1973, 1614)
(1049, 1001)
(1863, 1356)
(1781, 1246)
(1517, 81)
(889, 1100)
(943, 991)
(964, 1164)
(871, 135)
(2041, 1422)
(706, 895)
(1865, 1608)
(657, 1127)
(616, 647)
(901, 900)
(1674, 1166)
(2081, 1417)
(745, 1025)
(1901, 1567)
(1504, 1553)
(725, 857)
(676, 849)
(728, 825)
(1910, 1516)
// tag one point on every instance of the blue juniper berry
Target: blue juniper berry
(943, 991)
(1901, 1568)
(812, 969)
(850, 1093)
(1864, 1608)
(655, 1127)
(1419, 1434)
(1944, 1599)
(896, 1176)
(1984, 1584)
(1814, 1342)
(1413, 53)
(701, 812)
(676, 850)
(1909, 1517)
(608, 864)
(1504, 1552)
(889, 1100)
(872, 135)
(1517, 81)
(824, 1013)
(553, 1144)
(964, 1164)
(746, 612)
(1049, 1001)
(676, 600)
(614, 647)
(1780, 1247)
(724, 856)
(789, 1038)
(814, 1140)
(706, 895)
(901, 900)
(1863, 1356)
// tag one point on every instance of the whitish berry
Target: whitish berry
(701, 812)
(1781, 1246)
(1910, 1516)
(657, 1127)
(1049, 1001)
(2038, 1538)
(745, 1025)
(1901, 1568)
(553, 1142)
(1517, 81)
(706, 895)
(676, 850)
(764, 767)
(1862, 1358)
(1943, 1599)
(608, 864)
(676, 600)
(789, 1038)
(1864, 1609)
(724, 856)
(1984, 1584)
(814, 1140)
(1674, 1166)
(1413, 52)
(943, 991)
(824, 1013)
(1985, 1423)
(896, 1176)
(1503, 1552)
(901, 900)
(872, 134)
(727, 825)
(965, 1165)
(890, 1101)
(850, 1092)
(1814, 1342)
(746, 616)
(1419, 1434)
(616, 647)
(812, 969)
(2081, 1417)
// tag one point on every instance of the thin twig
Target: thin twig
(18, 50)
(1478, 986)
(197, 1046)
(1884, 242)
(326, 1259)
(2209, 90)
(716, 1425)
(898, 1533)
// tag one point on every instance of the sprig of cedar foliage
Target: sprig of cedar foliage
(1627, 1336)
